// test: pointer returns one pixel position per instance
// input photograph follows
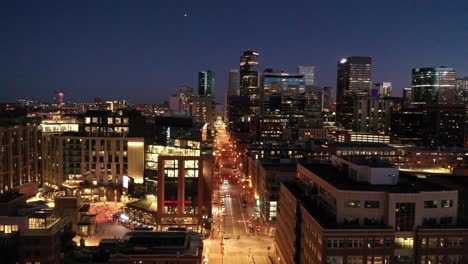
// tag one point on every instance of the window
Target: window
(353, 204)
(447, 220)
(433, 242)
(455, 242)
(354, 243)
(455, 259)
(334, 260)
(335, 243)
(372, 204)
(191, 168)
(404, 216)
(354, 259)
(446, 203)
(403, 242)
(110, 120)
(430, 204)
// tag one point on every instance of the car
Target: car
(228, 195)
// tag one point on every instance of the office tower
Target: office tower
(353, 80)
(206, 84)
(462, 90)
(313, 101)
(434, 85)
(20, 151)
(203, 109)
(282, 94)
(372, 114)
(233, 83)
(407, 96)
(309, 74)
(249, 79)
(327, 100)
(445, 125)
(381, 89)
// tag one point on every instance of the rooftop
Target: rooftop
(312, 204)
(371, 162)
(407, 182)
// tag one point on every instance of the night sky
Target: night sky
(143, 50)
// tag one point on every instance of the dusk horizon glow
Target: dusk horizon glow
(144, 52)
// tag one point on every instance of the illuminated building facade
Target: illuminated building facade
(381, 89)
(372, 115)
(181, 178)
(353, 80)
(20, 151)
(248, 85)
(31, 234)
(309, 74)
(282, 94)
(358, 211)
(462, 90)
(103, 161)
(434, 85)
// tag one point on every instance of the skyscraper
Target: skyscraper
(434, 85)
(462, 90)
(353, 80)
(327, 100)
(233, 83)
(381, 89)
(309, 74)
(206, 83)
(249, 79)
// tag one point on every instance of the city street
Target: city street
(234, 238)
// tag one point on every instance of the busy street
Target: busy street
(237, 236)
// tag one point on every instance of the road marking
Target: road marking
(242, 213)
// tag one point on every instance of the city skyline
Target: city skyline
(131, 52)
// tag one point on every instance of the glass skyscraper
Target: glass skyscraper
(206, 83)
(434, 85)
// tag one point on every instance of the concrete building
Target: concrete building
(358, 211)
(233, 83)
(372, 115)
(381, 89)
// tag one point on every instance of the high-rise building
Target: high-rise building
(327, 99)
(445, 125)
(206, 84)
(353, 80)
(309, 74)
(434, 85)
(462, 90)
(249, 79)
(233, 83)
(372, 115)
(282, 94)
(381, 89)
(407, 96)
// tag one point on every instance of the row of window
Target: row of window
(358, 259)
(359, 243)
(450, 242)
(357, 204)
(434, 204)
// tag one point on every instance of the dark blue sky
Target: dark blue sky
(144, 50)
